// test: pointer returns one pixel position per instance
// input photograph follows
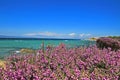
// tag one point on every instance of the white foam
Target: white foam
(66, 40)
(17, 52)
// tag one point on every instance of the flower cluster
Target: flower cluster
(105, 42)
(61, 63)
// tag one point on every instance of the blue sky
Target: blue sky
(60, 18)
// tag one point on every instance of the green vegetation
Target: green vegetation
(115, 37)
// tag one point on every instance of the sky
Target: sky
(60, 18)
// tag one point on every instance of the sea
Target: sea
(9, 46)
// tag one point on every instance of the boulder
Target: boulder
(2, 64)
(27, 51)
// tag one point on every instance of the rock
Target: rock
(93, 39)
(27, 51)
(2, 64)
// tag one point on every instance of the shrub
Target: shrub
(61, 63)
(105, 42)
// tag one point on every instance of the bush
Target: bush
(105, 42)
(115, 37)
(61, 63)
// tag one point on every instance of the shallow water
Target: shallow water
(9, 46)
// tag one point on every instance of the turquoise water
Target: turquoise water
(10, 46)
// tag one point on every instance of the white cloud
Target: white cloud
(56, 35)
(81, 35)
(49, 34)
(72, 34)
(88, 34)
(84, 35)
(31, 34)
